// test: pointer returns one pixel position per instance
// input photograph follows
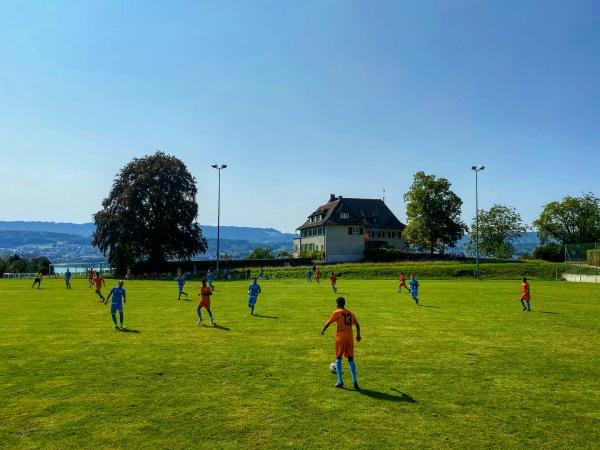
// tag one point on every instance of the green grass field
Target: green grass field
(468, 369)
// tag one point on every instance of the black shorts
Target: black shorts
(37, 280)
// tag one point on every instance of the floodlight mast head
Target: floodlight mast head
(218, 167)
(477, 168)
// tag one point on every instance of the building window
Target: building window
(355, 230)
(389, 234)
(344, 215)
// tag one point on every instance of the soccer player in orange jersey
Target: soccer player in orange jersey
(525, 295)
(99, 282)
(318, 275)
(205, 293)
(333, 280)
(344, 339)
(402, 282)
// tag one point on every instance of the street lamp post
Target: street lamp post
(477, 169)
(219, 168)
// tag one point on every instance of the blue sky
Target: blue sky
(300, 99)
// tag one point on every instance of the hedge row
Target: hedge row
(512, 270)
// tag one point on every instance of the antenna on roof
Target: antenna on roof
(383, 199)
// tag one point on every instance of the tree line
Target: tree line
(19, 264)
(151, 214)
(434, 222)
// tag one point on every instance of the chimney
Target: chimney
(331, 197)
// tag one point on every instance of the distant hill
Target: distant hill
(209, 231)
(522, 246)
(70, 242)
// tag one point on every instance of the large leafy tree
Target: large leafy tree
(433, 213)
(574, 220)
(499, 227)
(150, 214)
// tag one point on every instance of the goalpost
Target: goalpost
(582, 263)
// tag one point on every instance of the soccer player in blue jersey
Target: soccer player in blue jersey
(68, 279)
(414, 288)
(118, 298)
(253, 291)
(180, 282)
(209, 278)
(309, 275)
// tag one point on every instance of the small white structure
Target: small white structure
(580, 278)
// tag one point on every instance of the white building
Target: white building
(343, 227)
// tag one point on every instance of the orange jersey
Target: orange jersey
(525, 293)
(98, 281)
(318, 273)
(344, 320)
(402, 280)
(333, 279)
(205, 293)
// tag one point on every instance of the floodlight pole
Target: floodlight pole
(477, 169)
(219, 168)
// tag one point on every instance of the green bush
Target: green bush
(550, 252)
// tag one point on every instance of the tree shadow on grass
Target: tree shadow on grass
(265, 317)
(378, 395)
(548, 312)
(129, 330)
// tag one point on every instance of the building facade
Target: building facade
(343, 227)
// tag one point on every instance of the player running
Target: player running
(253, 291)
(344, 339)
(402, 282)
(38, 280)
(99, 282)
(68, 279)
(90, 274)
(318, 276)
(309, 275)
(180, 283)
(414, 288)
(525, 295)
(333, 280)
(205, 293)
(118, 298)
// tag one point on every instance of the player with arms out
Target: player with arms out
(253, 291)
(118, 298)
(525, 295)
(344, 339)
(205, 293)
(38, 280)
(180, 283)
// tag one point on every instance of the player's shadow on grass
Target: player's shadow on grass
(431, 306)
(377, 395)
(548, 312)
(129, 330)
(218, 327)
(265, 317)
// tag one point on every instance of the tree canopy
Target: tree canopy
(150, 214)
(574, 220)
(499, 227)
(261, 253)
(433, 213)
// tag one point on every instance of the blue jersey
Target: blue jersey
(67, 275)
(180, 281)
(117, 294)
(209, 277)
(414, 284)
(254, 290)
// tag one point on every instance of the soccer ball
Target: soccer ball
(332, 368)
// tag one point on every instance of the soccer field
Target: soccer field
(467, 369)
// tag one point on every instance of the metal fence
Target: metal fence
(582, 263)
